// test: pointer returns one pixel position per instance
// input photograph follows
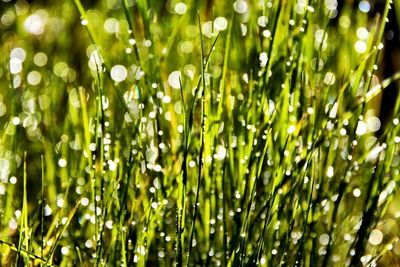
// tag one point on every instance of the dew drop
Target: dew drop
(329, 78)
(89, 243)
(220, 24)
(361, 128)
(262, 21)
(180, 8)
(13, 180)
(19, 53)
(373, 123)
(34, 77)
(13, 224)
(324, 239)
(376, 237)
(356, 192)
(111, 25)
(65, 250)
(85, 201)
(34, 24)
(263, 59)
(15, 65)
(330, 172)
(364, 6)
(173, 79)
(362, 33)
(291, 129)
(119, 73)
(62, 162)
(220, 152)
(40, 59)
(47, 210)
(266, 33)
(240, 6)
(360, 46)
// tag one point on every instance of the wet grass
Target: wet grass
(200, 134)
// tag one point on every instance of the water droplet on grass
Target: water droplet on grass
(324, 239)
(40, 59)
(92, 147)
(374, 153)
(266, 33)
(375, 237)
(60, 202)
(19, 53)
(180, 8)
(240, 6)
(59, 67)
(364, 6)
(331, 5)
(173, 79)
(356, 192)
(220, 153)
(147, 43)
(362, 33)
(192, 164)
(62, 162)
(263, 59)
(320, 36)
(373, 123)
(34, 77)
(13, 180)
(315, 64)
(65, 250)
(186, 47)
(95, 61)
(243, 28)
(111, 25)
(262, 21)
(34, 24)
(157, 168)
(166, 99)
(321, 251)
(84, 201)
(15, 66)
(12, 224)
(330, 172)
(329, 78)
(361, 128)
(291, 129)
(360, 46)
(8, 18)
(47, 210)
(89, 243)
(220, 24)
(119, 73)
(2, 189)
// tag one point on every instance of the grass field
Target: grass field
(197, 133)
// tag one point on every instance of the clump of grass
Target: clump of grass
(212, 134)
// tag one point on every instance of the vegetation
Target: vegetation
(204, 133)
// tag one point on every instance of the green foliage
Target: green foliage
(202, 133)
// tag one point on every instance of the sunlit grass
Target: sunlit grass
(211, 134)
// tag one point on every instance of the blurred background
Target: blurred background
(390, 61)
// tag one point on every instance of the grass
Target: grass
(197, 134)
